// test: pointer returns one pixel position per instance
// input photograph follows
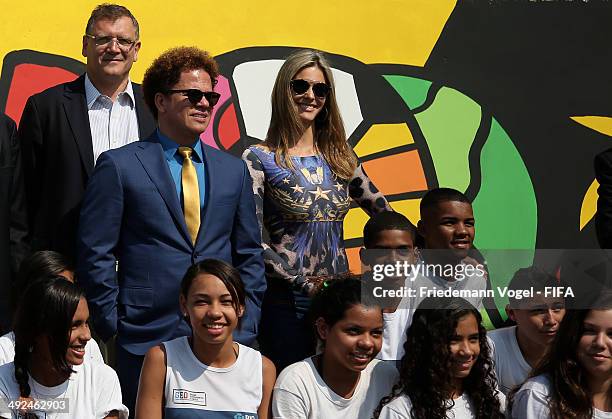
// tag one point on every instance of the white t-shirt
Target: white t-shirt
(91, 392)
(511, 368)
(532, 400)
(301, 393)
(400, 407)
(395, 326)
(7, 350)
(397, 323)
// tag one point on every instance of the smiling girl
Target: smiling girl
(207, 374)
(38, 265)
(48, 373)
(446, 370)
(575, 378)
(345, 381)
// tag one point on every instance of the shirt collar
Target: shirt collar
(92, 93)
(170, 147)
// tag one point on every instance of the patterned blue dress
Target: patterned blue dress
(302, 210)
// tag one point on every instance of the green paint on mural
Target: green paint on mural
(449, 126)
(506, 194)
(505, 209)
(412, 90)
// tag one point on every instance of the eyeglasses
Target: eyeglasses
(195, 96)
(301, 86)
(123, 43)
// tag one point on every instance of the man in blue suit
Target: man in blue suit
(139, 231)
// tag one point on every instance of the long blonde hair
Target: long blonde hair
(286, 125)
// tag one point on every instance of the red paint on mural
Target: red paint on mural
(29, 79)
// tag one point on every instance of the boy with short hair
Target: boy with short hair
(448, 228)
(517, 349)
(389, 237)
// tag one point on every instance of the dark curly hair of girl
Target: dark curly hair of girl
(570, 397)
(46, 309)
(426, 368)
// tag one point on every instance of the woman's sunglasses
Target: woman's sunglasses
(300, 86)
(195, 96)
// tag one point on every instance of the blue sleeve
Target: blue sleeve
(97, 238)
(248, 259)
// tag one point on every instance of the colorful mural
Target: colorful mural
(431, 94)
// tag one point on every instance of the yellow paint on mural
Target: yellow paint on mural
(589, 204)
(392, 31)
(353, 223)
(356, 217)
(410, 208)
(601, 124)
(382, 137)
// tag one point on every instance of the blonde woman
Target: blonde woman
(304, 177)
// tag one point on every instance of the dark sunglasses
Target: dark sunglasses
(300, 86)
(195, 96)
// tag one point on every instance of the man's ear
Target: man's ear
(84, 50)
(510, 313)
(136, 49)
(322, 328)
(160, 102)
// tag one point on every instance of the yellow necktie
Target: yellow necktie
(191, 193)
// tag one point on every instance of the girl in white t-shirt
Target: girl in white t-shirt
(345, 381)
(446, 370)
(48, 377)
(574, 380)
(207, 374)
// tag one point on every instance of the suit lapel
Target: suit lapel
(211, 169)
(155, 164)
(75, 107)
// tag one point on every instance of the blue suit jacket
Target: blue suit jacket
(132, 213)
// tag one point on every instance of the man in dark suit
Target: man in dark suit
(65, 128)
(160, 205)
(603, 217)
(13, 227)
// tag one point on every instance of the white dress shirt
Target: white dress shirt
(112, 124)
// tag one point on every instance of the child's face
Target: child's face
(449, 225)
(79, 334)
(210, 308)
(394, 245)
(595, 346)
(353, 341)
(464, 346)
(538, 318)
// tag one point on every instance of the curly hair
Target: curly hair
(426, 370)
(570, 396)
(165, 71)
(286, 126)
